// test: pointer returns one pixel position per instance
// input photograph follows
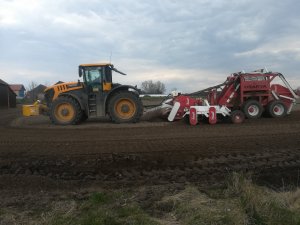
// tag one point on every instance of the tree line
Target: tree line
(151, 87)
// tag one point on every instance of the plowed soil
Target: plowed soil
(146, 153)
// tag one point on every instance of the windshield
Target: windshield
(93, 75)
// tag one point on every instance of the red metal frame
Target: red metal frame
(232, 96)
(240, 87)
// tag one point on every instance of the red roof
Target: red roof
(17, 87)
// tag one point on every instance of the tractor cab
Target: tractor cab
(97, 77)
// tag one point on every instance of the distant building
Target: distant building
(19, 89)
(7, 96)
(36, 93)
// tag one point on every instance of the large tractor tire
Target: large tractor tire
(276, 109)
(65, 111)
(125, 107)
(84, 117)
(252, 109)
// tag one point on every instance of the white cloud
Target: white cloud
(15, 75)
(187, 80)
(188, 44)
(275, 47)
(13, 13)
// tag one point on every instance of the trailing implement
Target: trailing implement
(242, 95)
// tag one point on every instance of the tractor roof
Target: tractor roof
(95, 64)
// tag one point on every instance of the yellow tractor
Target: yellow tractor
(95, 97)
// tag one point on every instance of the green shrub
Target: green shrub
(100, 198)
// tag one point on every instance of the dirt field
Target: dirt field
(42, 164)
(147, 152)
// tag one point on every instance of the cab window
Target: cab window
(93, 76)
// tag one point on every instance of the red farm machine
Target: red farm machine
(242, 95)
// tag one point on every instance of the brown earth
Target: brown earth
(42, 164)
(146, 153)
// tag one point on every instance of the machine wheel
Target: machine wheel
(125, 107)
(187, 119)
(237, 116)
(65, 111)
(252, 109)
(276, 109)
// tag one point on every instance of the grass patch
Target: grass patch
(2, 212)
(100, 198)
(105, 209)
(239, 202)
(262, 205)
(193, 207)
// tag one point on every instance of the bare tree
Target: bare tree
(32, 85)
(30, 90)
(150, 87)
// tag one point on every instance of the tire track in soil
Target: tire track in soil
(249, 143)
(134, 168)
(174, 153)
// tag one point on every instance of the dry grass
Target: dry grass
(239, 203)
(195, 207)
(262, 205)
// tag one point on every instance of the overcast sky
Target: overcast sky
(188, 45)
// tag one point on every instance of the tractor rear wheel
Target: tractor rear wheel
(65, 111)
(252, 109)
(237, 116)
(125, 107)
(84, 117)
(276, 109)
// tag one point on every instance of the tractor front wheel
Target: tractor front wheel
(252, 109)
(125, 107)
(65, 111)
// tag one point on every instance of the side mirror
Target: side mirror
(80, 71)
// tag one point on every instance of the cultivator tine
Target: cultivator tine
(193, 116)
(212, 115)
